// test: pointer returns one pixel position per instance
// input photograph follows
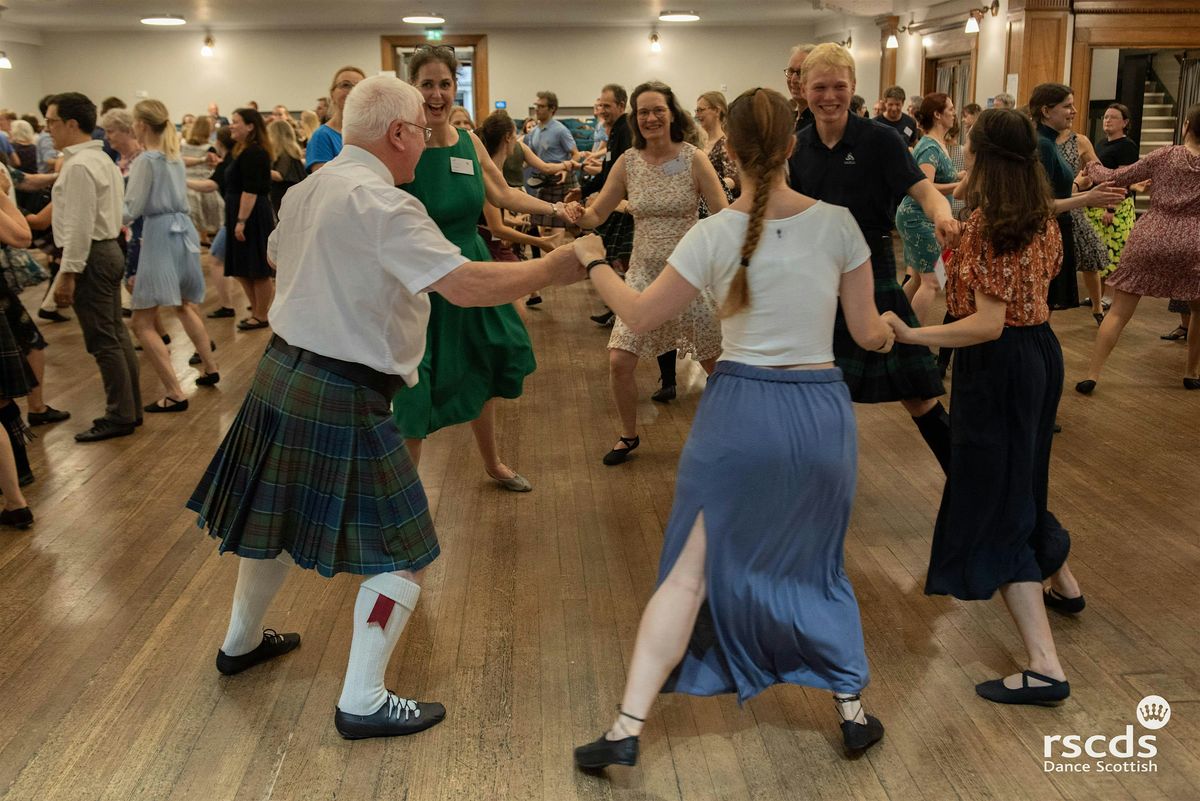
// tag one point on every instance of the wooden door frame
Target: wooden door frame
(1148, 25)
(483, 101)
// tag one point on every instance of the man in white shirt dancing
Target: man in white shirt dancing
(89, 199)
(313, 471)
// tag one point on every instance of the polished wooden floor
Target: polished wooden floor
(113, 606)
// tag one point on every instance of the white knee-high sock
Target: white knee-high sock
(372, 645)
(258, 581)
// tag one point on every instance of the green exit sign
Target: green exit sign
(433, 34)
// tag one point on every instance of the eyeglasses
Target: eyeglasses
(347, 85)
(698, 110)
(427, 48)
(791, 73)
(428, 131)
(53, 119)
(646, 113)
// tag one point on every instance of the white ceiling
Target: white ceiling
(461, 15)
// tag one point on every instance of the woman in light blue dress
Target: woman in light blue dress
(169, 271)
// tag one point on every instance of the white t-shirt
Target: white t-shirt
(354, 256)
(793, 276)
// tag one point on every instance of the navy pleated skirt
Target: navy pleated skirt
(771, 463)
(993, 527)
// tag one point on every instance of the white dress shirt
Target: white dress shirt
(354, 256)
(89, 201)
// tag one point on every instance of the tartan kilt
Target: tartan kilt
(617, 233)
(314, 465)
(552, 192)
(16, 377)
(907, 371)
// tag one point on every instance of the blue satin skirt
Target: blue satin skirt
(771, 463)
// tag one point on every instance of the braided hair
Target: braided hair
(759, 130)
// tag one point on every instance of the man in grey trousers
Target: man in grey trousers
(89, 199)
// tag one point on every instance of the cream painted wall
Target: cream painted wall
(295, 68)
(865, 48)
(992, 45)
(21, 87)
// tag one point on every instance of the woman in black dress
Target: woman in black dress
(16, 379)
(249, 219)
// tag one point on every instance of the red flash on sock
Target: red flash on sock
(381, 612)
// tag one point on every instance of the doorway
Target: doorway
(951, 74)
(471, 53)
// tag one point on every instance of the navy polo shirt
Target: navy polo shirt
(869, 172)
(906, 126)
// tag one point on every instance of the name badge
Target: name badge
(907, 131)
(462, 166)
(673, 167)
(939, 270)
(608, 155)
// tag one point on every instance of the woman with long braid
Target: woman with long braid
(752, 590)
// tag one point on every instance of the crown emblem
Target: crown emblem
(1154, 712)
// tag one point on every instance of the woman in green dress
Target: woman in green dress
(472, 355)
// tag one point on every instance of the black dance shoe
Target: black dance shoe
(621, 455)
(1085, 387)
(17, 518)
(208, 379)
(604, 319)
(858, 737)
(221, 311)
(1061, 603)
(53, 316)
(273, 644)
(1050, 695)
(396, 718)
(51, 415)
(665, 394)
(104, 429)
(1191, 383)
(603, 752)
(167, 405)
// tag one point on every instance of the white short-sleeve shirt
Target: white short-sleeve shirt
(794, 277)
(354, 256)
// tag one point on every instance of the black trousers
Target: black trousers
(98, 307)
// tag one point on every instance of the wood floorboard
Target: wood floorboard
(114, 604)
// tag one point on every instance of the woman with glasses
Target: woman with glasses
(663, 182)
(326, 142)
(472, 355)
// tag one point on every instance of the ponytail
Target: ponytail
(759, 130)
(153, 114)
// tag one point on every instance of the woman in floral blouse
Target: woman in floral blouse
(993, 530)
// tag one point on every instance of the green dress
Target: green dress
(471, 355)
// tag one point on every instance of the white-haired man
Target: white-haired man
(313, 471)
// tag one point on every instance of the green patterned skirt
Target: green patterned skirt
(1114, 235)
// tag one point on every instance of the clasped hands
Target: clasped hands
(570, 259)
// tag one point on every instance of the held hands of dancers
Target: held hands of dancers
(900, 330)
(1104, 194)
(569, 212)
(589, 249)
(946, 231)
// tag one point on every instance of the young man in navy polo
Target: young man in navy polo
(865, 166)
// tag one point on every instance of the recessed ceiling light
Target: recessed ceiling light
(679, 16)
(164, 19)
(424, 19)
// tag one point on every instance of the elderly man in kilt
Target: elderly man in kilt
(313, 471)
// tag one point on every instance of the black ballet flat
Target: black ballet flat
(1051, 695)
(208, 379)
(1061, 603)
(1098, 317)
(1180, 333)
(601, 753)
(664, 394)
(1085, 387)
(167, 405)
(1191, 383)
(858, 737)
(621, 455)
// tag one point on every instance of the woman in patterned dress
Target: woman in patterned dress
(936, 116)
(1115, 222)
(1091, 256)
(1162, 256)
(664, 183)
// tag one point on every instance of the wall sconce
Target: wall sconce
(976, 14)
(5, 64)
(892, 42)
(209, 44)
(848, 43)
(655, 45)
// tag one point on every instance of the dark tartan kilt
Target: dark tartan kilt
(617, 233)
(552, 192)
(314, 465)
(907, 371)
(16, 377)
